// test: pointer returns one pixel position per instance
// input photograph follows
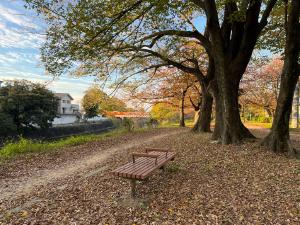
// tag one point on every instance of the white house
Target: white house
(67, 112)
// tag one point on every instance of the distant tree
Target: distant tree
(28, 104)
(95, 102)
(168, 86)
(164, 112)
(91, 110)
(261, 85)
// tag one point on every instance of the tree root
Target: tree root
(280, 144)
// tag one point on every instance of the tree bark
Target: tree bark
(233, 130)
(203, 115)
(218, 111)
(268, 110)
(182, 120)
(278, 139)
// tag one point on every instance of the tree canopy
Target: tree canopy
(118, 40)
(27, 104)
(95, 102)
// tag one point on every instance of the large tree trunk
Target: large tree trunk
(203, 115)
(279, 139)
(232, 44)
(233, 130)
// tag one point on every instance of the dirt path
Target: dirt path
(262, 132)
(23, 185)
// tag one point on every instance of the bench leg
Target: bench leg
(133, 187)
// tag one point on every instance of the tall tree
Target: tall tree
(121, 36)
(279, 140)
(232, 42)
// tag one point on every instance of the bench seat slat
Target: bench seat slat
(145, 173)
(129, 167)
(148, 168)
(127, 171)
(132, 167)
(143, 167)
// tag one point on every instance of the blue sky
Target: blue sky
(21, 35)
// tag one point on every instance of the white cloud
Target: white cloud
(18, 30)
(7, 58)
(15, 17)
(15, 38)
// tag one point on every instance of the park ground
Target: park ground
(208, 183)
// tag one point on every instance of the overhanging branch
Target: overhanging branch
(199, 3)
(264, 19)
(179, 33)
(167, 60)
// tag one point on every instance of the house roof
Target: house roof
(60, 95)
(127, 114)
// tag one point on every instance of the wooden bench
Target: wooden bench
(143, 165)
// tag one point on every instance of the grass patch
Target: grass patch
(264, 125)
(29, 146)
(188, 123)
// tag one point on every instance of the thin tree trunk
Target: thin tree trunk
(268, 110)
(182, 120)
(278, 139)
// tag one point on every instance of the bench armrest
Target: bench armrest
(158, 150)
(134, 155)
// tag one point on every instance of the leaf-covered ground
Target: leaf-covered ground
(206, 184)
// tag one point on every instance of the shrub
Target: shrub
(7, 125)
(263, 119)
(152, 123)
(128, 124)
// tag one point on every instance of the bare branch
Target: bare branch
(180, 33)
(167, 60)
